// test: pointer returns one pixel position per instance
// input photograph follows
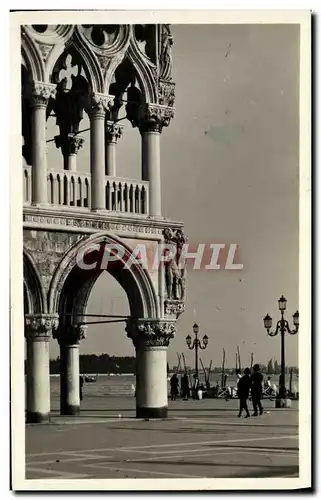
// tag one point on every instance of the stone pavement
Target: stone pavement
(199, 439)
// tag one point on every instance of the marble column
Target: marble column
(69, 339)
(69, 148)
(152, 119)
(38, 330)
(96, 114)
(151, 339)
(41, 92)
(113, 133)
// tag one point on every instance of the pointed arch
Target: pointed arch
(71, 285)
(35, 296)
(145, 72)
(77, 47)
(32, 57)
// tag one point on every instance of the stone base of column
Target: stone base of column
(70, 410)
(151, 412)
(34, 417)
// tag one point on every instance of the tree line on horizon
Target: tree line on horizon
(103, 363)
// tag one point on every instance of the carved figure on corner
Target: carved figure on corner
(165, 59)
(181, 240)
(172, 275)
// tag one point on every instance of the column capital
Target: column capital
(151, 332)
(98, 105)
(71, 145)
(153, 117)
(71, 334)
(113, 131)
(41, 93)
(39, 327)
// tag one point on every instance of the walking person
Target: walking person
(81, 383)
(185, 387)
(174, 387)
(256, 390)
(195, 387)
(243, 390)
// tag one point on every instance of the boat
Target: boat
(91, 378)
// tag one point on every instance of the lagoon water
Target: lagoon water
(123, 385)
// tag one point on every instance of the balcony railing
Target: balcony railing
(73, 189)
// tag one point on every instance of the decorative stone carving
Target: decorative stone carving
(166, 93)
(165, 57)
(174, 308)
(113, 131)
(151, 332)
(39, 327)
(41, 93)
(70, 334)
(45, 49)
(72, 143)
(47, 249)
(89, 224)
(153, 117)
(103, 61)
(175, 267)
(98, 105)
(181, 241)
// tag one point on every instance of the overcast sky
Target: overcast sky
(230, 172)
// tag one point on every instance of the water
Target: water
(123, 385)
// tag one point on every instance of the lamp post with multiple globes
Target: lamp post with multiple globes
(282, 327)
(196, 344)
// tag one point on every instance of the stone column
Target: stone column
(69, 147)
(113, 133)
(151, 339)
(153, 117)
(38, 330)
(41, 92)
(97, 113)
(69, 339)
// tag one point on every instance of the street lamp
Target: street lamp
(196, 344)
(282, 326)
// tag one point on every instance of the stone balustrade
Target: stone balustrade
(73, 189)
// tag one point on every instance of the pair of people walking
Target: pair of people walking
(250, 383)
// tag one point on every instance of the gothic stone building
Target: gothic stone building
(73, 72)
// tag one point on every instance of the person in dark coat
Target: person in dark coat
(81, 383)
(243, 390)
(185, 387)
(256, 390)
(174, 387)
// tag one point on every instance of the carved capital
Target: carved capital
(71, 145)
(71, 334)
(151, 332)
(41, 93)
(153, 117)
(113, 131)
(174, 308)
(166, 93)
(40, 327)
(98, 105)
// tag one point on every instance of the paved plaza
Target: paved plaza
(200, 439)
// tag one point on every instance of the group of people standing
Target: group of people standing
(251, 383)
(185, 387)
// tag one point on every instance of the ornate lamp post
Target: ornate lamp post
(197, 344)
(282, 326)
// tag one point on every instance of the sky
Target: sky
(230, 173)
